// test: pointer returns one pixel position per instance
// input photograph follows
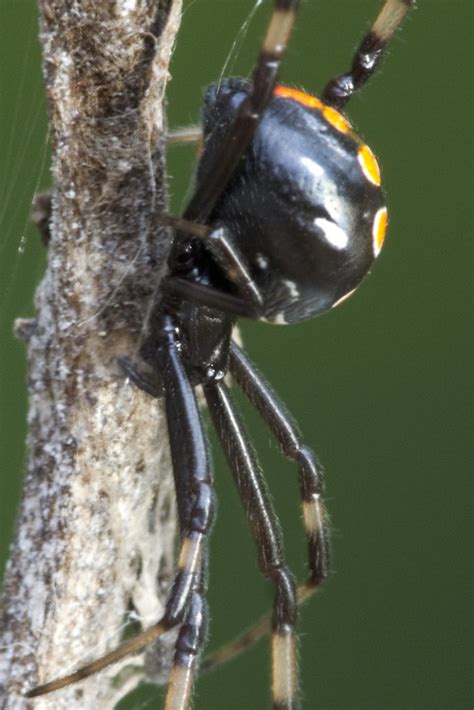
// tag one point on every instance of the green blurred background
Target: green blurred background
(380, 386)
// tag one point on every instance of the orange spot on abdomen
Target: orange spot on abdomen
(369, 165)
(336, 119)
(333, 117)
(284, 92)
(379, 229)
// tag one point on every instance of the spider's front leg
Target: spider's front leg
(279, 420)
(195, 498)
(286, 431)
(266, 531)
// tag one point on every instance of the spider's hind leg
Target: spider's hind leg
(369, 53)
(194, 493)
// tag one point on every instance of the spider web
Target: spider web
(23, 173)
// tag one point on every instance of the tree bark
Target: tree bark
(95, 532)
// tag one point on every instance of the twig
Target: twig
(96, 527)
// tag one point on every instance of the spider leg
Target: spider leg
(186, 134)
(369, 53)
(188, 645)
(208, 296)
(266, 532)
(195, 498)
(234, 145)
(286, 431)
(194, 493)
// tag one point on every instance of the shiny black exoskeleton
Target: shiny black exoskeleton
(294, 232)
(299, 206)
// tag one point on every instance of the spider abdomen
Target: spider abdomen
(305, 206)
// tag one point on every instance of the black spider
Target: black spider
(285, 221)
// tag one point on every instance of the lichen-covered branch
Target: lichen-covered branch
(96, 526)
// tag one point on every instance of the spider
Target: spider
(285, 221)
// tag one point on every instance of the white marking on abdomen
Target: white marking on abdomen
(314, 168)
(261, 261)
(291, 286)
(333, 234)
